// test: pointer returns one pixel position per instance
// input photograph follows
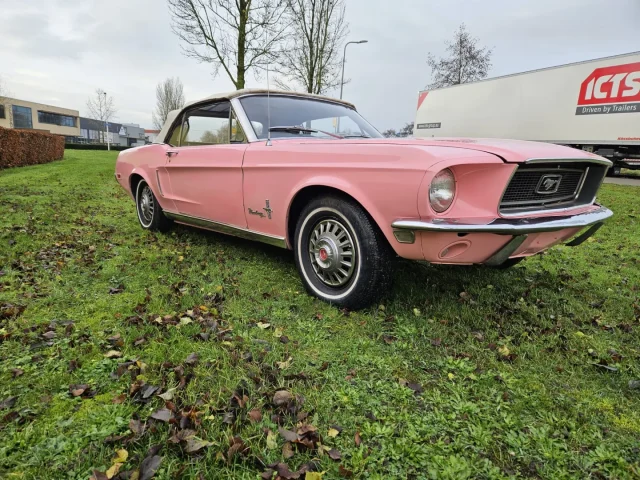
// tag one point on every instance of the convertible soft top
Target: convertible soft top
(160, 138)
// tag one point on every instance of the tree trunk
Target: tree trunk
(242, 35)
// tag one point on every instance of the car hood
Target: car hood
(511, 151)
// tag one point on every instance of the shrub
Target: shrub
(93, 146)
(28, 147)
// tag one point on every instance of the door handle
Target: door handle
(171, 153)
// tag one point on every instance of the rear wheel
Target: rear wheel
(150, 213)
(340, 253)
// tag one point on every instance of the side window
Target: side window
(207, 125)
(237, 133)
(176, 136)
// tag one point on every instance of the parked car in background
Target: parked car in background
(308, 173)
(592, 106)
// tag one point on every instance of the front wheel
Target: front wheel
(150, 213)
(341, 255)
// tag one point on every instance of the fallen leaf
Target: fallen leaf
(344, 473)
(17, 372)
(168, 395)
(136, 426)
(282, 469)
(284, 365)
(195, 444)
(333, 432)
(357, 439)
(192, 359)
(113, 354)
(282, 397)
(8, 402)
(334, 454)
(263, 326)
(255, 415)
(96, 475)
(119, 399)
(288, 435)
(272, 442)
(287, 450)
(164, 415)
(185, 321)
(49, 335)
(277, 332)
(121, 456)
(436, 342)
(313, 475)
(149, 466)
(504, 351)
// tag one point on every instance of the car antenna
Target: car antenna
(268, 107)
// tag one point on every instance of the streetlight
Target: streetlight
(106, 123)
(344, 57)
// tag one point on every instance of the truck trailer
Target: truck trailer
(592, 105)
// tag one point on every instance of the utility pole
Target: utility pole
(106, 123)
(344, 57)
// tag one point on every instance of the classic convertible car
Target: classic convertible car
(308, 173)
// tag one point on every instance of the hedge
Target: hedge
(28, 147)
(93, 146)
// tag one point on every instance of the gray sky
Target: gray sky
(59, 51)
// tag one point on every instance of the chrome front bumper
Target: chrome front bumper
(519, 228)
(503, 226)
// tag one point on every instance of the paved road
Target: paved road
(623, 181)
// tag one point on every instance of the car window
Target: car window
(176, 136)
(237, 133)
(207, 125)
(339, 125)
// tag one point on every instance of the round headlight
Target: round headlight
(442, 190)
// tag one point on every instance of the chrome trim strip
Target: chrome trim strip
(506, 251)
(599, 161)
(158, 181)
(509, 227)
(244, 120)
(227, 229)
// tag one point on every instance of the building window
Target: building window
(2, 115)
(56, 119)
(22, 117)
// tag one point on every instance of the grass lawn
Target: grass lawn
(633, 173)
(460, 372)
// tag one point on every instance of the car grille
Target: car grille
(545, 187)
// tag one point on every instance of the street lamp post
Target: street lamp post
(106, 122)
(344, 57)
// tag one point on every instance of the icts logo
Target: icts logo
(614, 89)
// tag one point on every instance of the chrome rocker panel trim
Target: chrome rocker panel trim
(509, 227)
(227, 229)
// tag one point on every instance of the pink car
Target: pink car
(310, 174)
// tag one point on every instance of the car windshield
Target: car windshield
(293, 117)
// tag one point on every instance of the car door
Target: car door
(204, 164)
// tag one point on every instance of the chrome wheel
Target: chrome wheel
(146, 205)
(332, 253)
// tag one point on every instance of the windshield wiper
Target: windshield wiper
(356, 136)
(295, 128)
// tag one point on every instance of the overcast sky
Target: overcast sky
(59, 51)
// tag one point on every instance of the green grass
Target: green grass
(460, 372)
(632, 173)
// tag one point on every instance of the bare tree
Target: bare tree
(390, 133)
(101, 107)
(312, 56)
(5, 101)
(467, 62)
(169, 96)
(237, 35)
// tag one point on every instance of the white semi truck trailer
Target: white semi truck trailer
(592, 105)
